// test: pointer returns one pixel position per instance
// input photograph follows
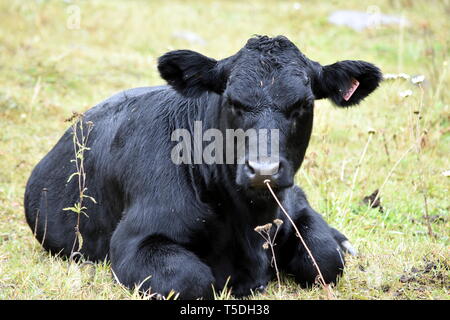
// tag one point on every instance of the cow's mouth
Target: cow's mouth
(260, 183)
(261, 191)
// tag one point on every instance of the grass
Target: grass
(49, 69)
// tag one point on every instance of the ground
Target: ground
(62, 56)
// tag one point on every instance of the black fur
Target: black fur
(192, 226)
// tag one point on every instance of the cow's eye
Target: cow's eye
(237, 108)
(295, 114)
(299, 109)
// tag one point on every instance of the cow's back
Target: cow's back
(48, 191)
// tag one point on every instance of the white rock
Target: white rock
(359, 20)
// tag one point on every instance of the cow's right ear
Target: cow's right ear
(191, 73)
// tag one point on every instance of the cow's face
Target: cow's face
(269, 84)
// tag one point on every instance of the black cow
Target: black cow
(189, 227)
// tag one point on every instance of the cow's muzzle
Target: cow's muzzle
(254, 173)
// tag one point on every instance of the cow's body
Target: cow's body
(48, 191)
(185, 226)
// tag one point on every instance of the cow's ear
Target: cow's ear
(191, 73)
(345, 82)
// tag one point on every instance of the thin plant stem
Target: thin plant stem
(427, 217)
(392, 171)
(321, 278)
(358, 167)
(80, 146)
(264, 232)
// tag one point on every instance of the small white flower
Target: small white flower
(394, 76)
(404, 76)
(418, 79)
(390, 76)
(278, 222)
(446, 173)
(404, 94)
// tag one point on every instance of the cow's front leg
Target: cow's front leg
(157, 263)
(344, 243)
(318, 236)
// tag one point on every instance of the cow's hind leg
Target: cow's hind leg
(158, 264)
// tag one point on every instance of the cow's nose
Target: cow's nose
(257, 172)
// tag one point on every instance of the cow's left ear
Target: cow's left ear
(345, 82)
(191, 73)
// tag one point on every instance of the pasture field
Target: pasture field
(62, 56)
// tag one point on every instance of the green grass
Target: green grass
(48, 70)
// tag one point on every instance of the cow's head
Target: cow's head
(269, 84)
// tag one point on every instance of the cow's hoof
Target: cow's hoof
(260, 289)
(348, 248)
